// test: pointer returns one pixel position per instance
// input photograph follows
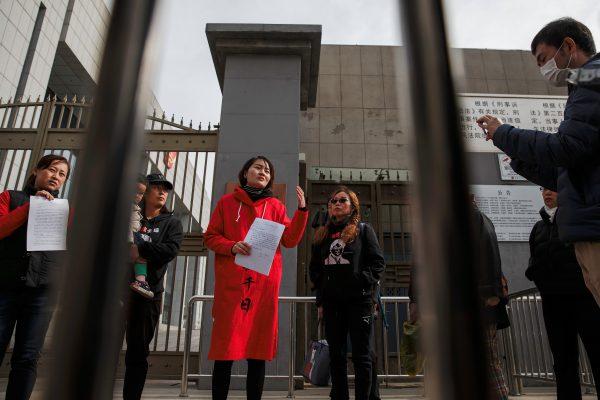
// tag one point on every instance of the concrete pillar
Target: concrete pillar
(267, 73)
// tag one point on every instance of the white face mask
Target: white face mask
(556, 76)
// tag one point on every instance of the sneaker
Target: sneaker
(142, 288)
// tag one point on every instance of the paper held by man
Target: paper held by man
(47, 224)
(263, 237)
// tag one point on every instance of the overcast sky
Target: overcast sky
(186, 83)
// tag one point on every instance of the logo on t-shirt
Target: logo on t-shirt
(336, 250)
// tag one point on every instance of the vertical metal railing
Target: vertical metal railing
(92, 307)
(292, 372)
(446, 245)
(526, 346)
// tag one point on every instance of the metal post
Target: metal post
(446, 245)
(292, 350)
(187, 347)
(42, 133)
(90, 318)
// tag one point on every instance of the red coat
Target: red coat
(245, 306)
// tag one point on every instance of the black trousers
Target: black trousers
(27, 312)
(142, 318)
(568, 315)
(255, 379)
(356, 320)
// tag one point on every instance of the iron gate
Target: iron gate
(183, 153)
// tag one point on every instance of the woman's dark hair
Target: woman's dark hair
(248, 164)
(556, 31)
(45, 163)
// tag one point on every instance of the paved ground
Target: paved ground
(169, 390)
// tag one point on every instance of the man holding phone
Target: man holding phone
(567, 162)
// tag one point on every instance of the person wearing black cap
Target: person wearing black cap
(161, 234)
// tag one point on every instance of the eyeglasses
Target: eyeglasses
(341, 200)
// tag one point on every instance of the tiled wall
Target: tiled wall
(358, 121)
(84, 35)
(17, 18)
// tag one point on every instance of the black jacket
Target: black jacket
(489, 272)
(346, 272)
(19, 267)
(567, 162)
(552, 264)
(158, 242)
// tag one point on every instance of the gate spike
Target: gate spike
(191, 123)
(9, 100)
(48, 98)
(154, 112)
(163, 115)
(38, 99)
(181, 121)
(83, 100)
(18, 99)
(209, 125)
(65, 99)
(28, 98)
(200, 125)
(75, 99)
(173, 118)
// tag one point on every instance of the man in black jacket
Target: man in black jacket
(161, 236)
(566, 162)
(568, 306)
(492, 294)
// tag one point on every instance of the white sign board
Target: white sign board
(506, 171)
(513, 209)
(529, 112)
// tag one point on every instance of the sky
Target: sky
(185, 82)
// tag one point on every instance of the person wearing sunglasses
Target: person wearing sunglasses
(345, 267)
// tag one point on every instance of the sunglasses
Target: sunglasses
(342, 200)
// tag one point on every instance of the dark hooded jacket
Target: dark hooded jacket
(346, 272)
(567, 162)
(158, 243)
(552, 264)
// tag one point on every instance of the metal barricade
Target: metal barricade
(526, 345)
(293, 302)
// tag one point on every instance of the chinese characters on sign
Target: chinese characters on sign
(513, 209)
(542, 114)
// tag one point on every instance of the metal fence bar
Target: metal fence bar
(525, 354)
(84, 371)
(293, 301)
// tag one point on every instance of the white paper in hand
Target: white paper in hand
(263, 237)
(47, 224)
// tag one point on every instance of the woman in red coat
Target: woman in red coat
(245, 307)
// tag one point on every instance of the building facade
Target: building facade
(359, 133)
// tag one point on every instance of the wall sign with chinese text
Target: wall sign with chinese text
(513, 209)
(542, 113)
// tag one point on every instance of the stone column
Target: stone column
(267, 74)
